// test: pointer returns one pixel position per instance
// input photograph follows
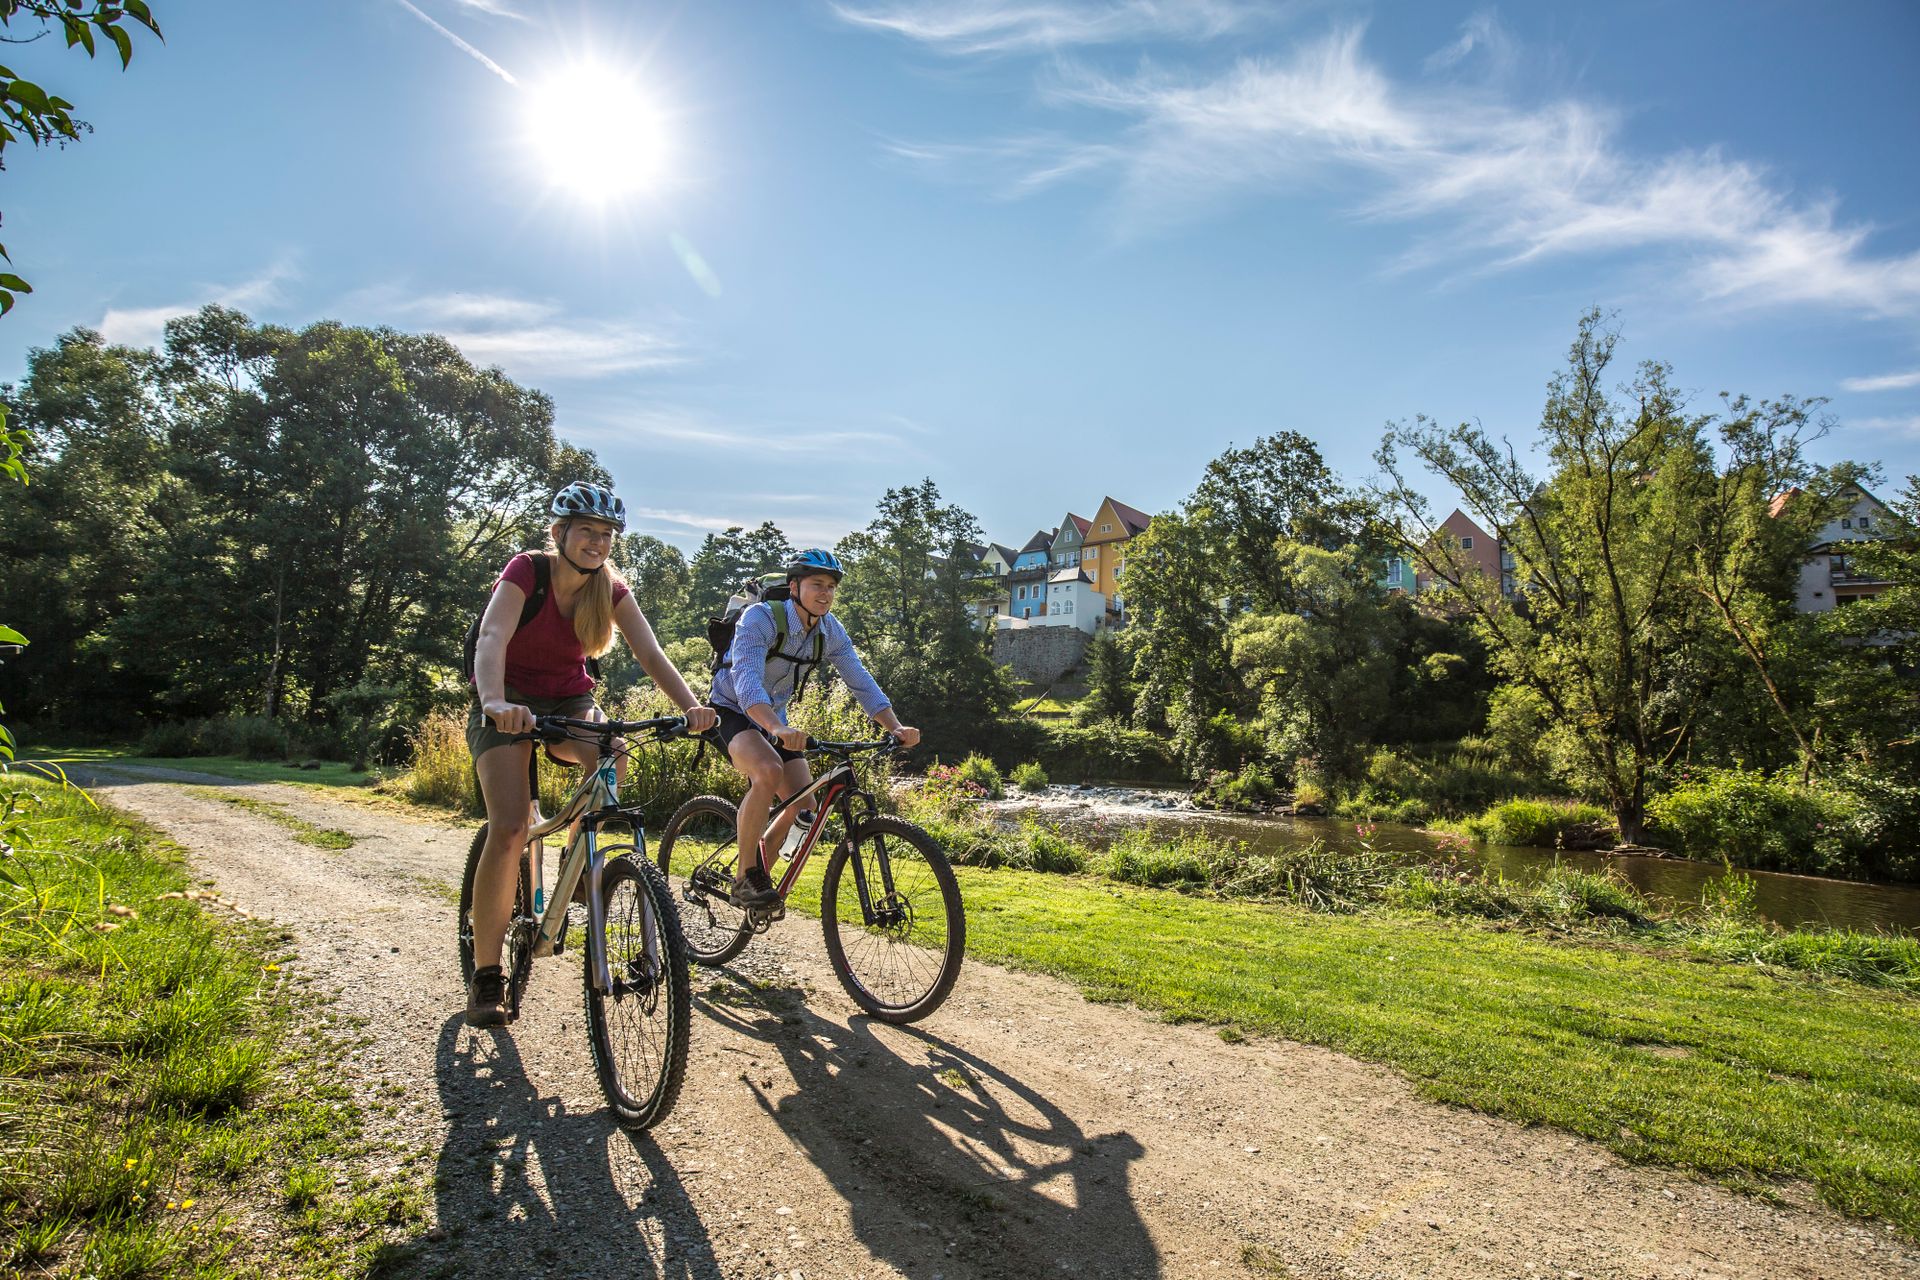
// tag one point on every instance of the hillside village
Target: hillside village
(1070, 576)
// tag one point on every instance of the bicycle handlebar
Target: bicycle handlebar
(889, 744)
(556, 728)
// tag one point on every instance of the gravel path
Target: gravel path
(1019, 1132)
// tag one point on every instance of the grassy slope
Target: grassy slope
(1772, 1077)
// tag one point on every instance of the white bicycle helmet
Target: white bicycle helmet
(584, 498)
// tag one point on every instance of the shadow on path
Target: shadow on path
(524, 1186)
(947, 1162)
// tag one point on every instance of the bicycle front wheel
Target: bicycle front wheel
(639, 1029)
(701, 846)
(516, 955)
(895, 930)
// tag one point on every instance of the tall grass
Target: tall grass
(1538, 822)
(149, 1069)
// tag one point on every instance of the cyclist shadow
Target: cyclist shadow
(521, 1177)
(951, 1162)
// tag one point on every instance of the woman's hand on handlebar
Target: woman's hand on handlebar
(509, 717)
(701, 719)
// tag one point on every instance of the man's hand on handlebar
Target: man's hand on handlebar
(907, 735)
(701, 719)
(791, 738)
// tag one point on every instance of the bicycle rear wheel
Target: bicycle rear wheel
(898, 954)
(639, 1029)
(516, 955)
(701, 845)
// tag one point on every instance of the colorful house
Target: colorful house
(1066, 543)
(1028, 577)
(997, 561)
(1103, 552)
(1463, 544)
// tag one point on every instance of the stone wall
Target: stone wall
(1040, 654)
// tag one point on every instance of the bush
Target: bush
(1533, 822)
(1413, 786)
(1746, 818)
(1105, 752)
(442, 770)
(1030, 777)
(254, 737)
(1245, 791)
(982, 773)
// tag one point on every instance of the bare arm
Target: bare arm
(497, 626)
(646, 648)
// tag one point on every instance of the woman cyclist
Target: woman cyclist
(541, 669)
(751, 690)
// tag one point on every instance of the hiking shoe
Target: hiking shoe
(754, 889)
(487, 998)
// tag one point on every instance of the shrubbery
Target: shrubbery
(1030, 777)
(1246, 791)
(1851, 827)
(254, 737)
(1534, 822)
(1412, 786)
(1107, 752)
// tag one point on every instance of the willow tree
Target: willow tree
(1644, 557)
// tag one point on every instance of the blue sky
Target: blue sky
(1040, 250)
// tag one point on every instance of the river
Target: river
(1097, 814)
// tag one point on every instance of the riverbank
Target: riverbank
(170, 1096)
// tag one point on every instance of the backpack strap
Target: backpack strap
(542, 579)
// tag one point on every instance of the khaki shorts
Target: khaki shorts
(483, 737)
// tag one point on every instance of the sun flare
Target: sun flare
(597, 133)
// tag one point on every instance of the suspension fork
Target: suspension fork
(867, 911)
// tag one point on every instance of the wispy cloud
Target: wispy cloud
(1906, 425)
(691, 430)
(146, 326)
(530, 338)
(462, 45)
(816, 528)
(1884, 382)
(492, 8)
(1012, 26)
(1489, 182)
(1481, 32)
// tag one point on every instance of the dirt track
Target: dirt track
(1019, 1132)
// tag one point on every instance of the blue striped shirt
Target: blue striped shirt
(747, 681)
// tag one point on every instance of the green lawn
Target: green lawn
(1740, 1075)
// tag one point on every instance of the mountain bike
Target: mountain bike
(889, 903)
(638, 999)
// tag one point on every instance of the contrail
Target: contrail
(474, 53)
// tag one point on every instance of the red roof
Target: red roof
(1135, 519)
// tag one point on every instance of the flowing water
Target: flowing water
(1098, 814)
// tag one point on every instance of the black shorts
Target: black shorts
(733, 724)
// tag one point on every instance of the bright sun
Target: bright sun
(597, 134)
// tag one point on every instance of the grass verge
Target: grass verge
(162, 1082)
(303, 831)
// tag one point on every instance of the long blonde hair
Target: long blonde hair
(593, 610)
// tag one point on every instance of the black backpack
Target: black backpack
(769, 589)
(542, 578)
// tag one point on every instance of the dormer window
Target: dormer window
(1106, 528)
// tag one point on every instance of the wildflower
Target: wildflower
(273, 968)
(187, 1203)
(132, 1161)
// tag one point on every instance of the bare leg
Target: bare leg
(503, 785)
(757, 761)
(795, 777)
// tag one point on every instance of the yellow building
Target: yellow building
(1103, 553)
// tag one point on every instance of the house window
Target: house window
(1866, 522)
(1466, 543)
(1106, 528)
(1067, 607)
(1846, 523)
(1093, 553)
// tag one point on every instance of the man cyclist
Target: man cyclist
(751, 689)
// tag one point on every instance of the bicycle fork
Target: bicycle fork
(583, 860)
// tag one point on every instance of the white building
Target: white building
(1072, 601)
(1828, 578)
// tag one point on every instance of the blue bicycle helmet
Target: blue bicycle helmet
(584, 498)
(814, 560)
